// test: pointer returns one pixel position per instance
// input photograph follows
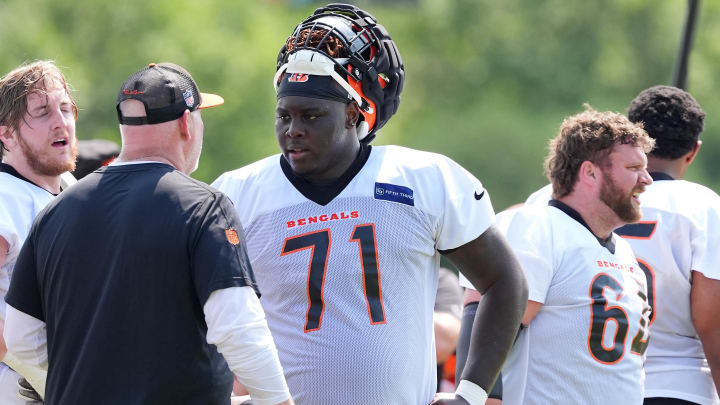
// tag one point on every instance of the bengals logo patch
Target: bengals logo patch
(298, 78)
(232, 236)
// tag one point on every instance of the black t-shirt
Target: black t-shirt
(119, 267)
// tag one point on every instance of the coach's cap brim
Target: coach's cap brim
(210, 100)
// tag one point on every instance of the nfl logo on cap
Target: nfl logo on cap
(189, 99)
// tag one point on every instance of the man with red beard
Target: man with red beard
(37, 145)
(676, 246)
(585, 329)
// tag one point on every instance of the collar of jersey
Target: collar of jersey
(660, 176)
(322, 194)
(6, 168)
(135, 166)
(608, 243)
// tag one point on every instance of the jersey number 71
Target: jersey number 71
(320, 242)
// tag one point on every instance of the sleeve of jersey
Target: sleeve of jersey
(24, 292)
(224, 184)
(219, 257)
(533, 248)
(237, 326)
(10, 216)
(467, 210)
(705, 242)
(541, 196)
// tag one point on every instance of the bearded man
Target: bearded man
(37, 146)
(585, 330)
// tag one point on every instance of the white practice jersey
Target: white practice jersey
(349, 287)
(586, 344)
(20, 202)
(679, 232)
(541, 196)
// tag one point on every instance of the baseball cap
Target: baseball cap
(166, 90)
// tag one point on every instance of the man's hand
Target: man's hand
(27, 393)
(448, 398)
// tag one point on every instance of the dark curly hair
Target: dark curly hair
(589, 136)
(671, 116)
(330, 44)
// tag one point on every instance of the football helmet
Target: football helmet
(348, 44)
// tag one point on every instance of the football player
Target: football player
(676, 243)
(585, 328)
(37, 138)
(345, 238)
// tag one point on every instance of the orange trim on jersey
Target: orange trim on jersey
(592, 320)
(654, 228)
(307, 283)
(377, 266)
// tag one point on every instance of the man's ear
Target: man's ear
(352, 115)
(588, 173)
(185, 124)
(7, 136)
(690, 156)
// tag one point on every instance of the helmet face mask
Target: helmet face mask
(364, 58)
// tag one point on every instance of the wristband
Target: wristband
(471, 392)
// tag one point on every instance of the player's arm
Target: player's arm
(25, 332)
(26, 339)
(237, 326)
(491, 267)
(471, 300)
(704, 296)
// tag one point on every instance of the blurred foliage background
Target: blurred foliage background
(488, 82)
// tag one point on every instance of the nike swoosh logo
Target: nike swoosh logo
(479, 196)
